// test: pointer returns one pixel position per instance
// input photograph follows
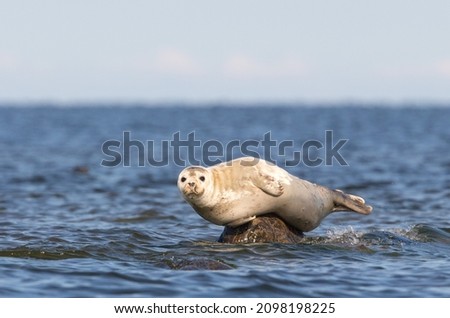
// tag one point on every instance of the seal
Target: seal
(236, 192)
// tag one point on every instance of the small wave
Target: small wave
(420, 233)
(367, 185)
(196, 264)
(36, 179)
(341, 236)
(428, 233)
(23, 252)
(142, 216)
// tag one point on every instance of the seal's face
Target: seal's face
(193, 181)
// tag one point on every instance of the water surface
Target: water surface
(72, 228)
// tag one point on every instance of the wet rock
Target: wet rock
(268, 228)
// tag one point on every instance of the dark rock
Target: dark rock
(268, 228)
(81, 170)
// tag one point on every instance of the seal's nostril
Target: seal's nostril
(192, 184)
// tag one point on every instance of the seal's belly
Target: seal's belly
(239, 206)
(305, 205)
(301, 205)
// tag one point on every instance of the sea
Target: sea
(89, 205)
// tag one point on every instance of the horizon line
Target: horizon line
(338, 102)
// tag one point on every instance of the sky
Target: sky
(209, 51)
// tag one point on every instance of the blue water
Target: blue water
(70, 227)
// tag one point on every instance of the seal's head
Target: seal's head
(192, 183)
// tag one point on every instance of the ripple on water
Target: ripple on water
(428, 233)
(58, 254)
(144, 216)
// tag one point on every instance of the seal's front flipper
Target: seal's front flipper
(268, 184)
(350, 202)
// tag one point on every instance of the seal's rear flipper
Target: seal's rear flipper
(350, 202)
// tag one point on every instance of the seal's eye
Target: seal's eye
(202, 178)
(183, 179)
